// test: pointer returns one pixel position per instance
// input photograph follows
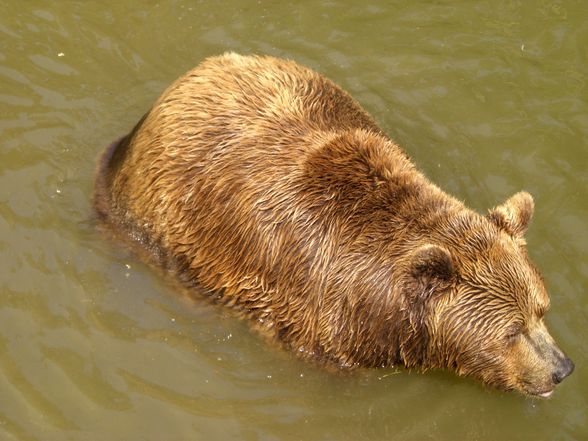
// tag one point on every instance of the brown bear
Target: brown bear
(268, 185)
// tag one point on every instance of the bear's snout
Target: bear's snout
(544, 364)
(564, 368)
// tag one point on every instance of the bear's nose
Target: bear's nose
(565, 368)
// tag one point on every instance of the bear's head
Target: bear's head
(478, 303)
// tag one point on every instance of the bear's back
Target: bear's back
(263, 181)
(232, 125)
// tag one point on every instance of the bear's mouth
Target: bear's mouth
(544, 394)
(539, 391)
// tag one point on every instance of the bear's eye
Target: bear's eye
(513, 333)
(542, 311)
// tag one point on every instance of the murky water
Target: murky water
(487, 97)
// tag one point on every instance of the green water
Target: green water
(487, 97)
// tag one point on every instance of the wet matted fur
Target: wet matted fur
(267, 184)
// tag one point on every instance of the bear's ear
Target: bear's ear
(432, 264)
(514, 215)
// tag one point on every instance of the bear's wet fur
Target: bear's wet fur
(265, 183)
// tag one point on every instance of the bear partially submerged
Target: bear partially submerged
(265, 183)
